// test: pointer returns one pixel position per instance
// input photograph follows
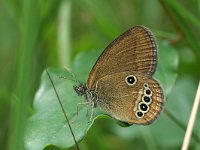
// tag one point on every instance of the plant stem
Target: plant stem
(191, 120)
(64, 28)
(24, 74)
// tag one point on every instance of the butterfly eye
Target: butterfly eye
(131, 80)
(139, 114)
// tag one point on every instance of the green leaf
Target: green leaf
(168, 61)
(183, 19)
(47, 126)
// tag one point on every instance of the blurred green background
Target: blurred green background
(36, 34)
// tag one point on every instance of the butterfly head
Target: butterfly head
(80, 89)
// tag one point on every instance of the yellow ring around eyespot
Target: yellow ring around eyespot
(134, 79)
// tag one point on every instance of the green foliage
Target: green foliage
(48, 126)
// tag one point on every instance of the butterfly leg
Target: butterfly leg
(77, 109)
(86, 109)
(91, 115)
(85, 103)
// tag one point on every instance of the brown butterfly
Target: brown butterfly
(121, 81)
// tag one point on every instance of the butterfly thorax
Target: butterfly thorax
(89, 95)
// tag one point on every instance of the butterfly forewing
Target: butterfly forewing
(134, 50)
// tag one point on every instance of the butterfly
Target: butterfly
(121, 83)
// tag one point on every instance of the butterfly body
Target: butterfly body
(121, 81)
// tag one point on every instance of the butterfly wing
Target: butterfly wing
(139, 103)
(134, 50)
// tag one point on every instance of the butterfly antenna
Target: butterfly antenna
(63, 110)
(71, 73)
(69, 70)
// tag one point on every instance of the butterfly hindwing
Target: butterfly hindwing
(123, 101)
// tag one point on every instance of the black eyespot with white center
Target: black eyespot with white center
(146, 99)
(143, 107)
(139, 114)
(148, 92)
(131, 80)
